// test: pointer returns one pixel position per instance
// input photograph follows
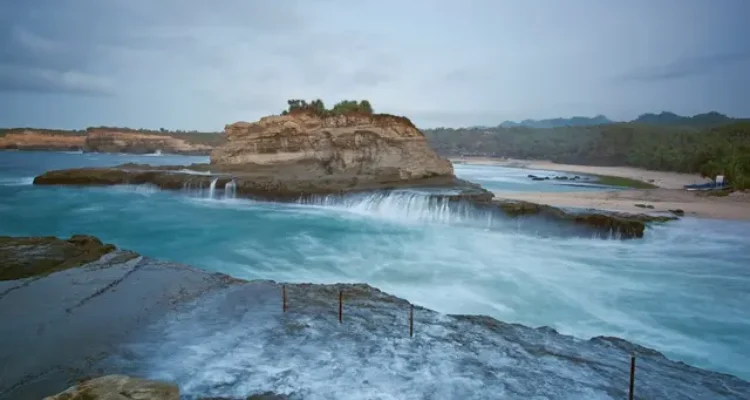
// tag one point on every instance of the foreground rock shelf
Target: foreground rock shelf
(209, 335)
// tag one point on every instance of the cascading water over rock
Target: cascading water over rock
(212, 188)
(230, 189)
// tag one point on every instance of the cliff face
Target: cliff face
(358, 144)
(110, 141)
(41, 140)
(113, 141)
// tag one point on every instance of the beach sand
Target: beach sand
(669, 196)
(662, 179)
(735, 206)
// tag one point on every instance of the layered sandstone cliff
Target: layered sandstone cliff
(115, 141)
(359, 144)
(111, 140)
(28, 139)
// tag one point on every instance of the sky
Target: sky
(194, 64)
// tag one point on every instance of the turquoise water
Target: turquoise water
(683, 290)
(493, 177)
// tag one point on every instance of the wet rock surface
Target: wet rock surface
(25, 257)
(625, 226)
(119, 387)
(218, 337)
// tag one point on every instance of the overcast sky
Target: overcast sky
(194, 64)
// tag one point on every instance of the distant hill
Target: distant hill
(705, 120)
(708, 119)
(558, 122)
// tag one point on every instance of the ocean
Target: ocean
(682, 290)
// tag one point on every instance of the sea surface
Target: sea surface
(683, 289)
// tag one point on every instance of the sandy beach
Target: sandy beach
(735, 206)
(662, 179)
(669, 196)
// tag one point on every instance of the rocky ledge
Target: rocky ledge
(125, 326)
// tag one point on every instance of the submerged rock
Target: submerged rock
(119, 387)
(214, 336)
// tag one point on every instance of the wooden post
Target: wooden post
(341, 306)
(632, 377)
(411, 320)
(283, 298)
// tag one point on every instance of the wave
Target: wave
(414, 207)
(17, 181)
(157, 153)
(407, 206)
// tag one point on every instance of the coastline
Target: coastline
(669, 196)
(733, 207)
(662, 179)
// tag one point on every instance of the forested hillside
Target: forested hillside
(686, 147)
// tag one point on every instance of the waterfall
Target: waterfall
(212, 188)
(230, 189)
(408, 206)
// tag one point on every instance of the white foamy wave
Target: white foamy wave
(16, 181)
(408, 207)
(192, 172)
(157, 153)
(145, 189)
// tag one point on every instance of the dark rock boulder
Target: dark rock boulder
(20, 259)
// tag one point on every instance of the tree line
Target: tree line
(719, 150)
(318, 107)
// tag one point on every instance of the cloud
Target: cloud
(686, 67)
(39, 80)
(189, 64)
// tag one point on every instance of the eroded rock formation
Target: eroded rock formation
(357, 143)
(110, 140)
(117, 141)
(42, 140)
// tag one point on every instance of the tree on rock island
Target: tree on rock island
(318, 107)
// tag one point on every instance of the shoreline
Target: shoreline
(662, 179)
(669, 195)
(733, 207)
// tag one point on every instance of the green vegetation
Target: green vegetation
(623, 182)
(318, 107)
(685, 147)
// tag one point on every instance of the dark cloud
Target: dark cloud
(686, 67)
(35, 80)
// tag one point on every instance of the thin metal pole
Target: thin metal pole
(631, 392)
(411, 320)
(283, 297)
(341, 306)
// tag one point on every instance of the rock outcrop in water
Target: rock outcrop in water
(369, 146)
(305, 154)
(214, 336)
